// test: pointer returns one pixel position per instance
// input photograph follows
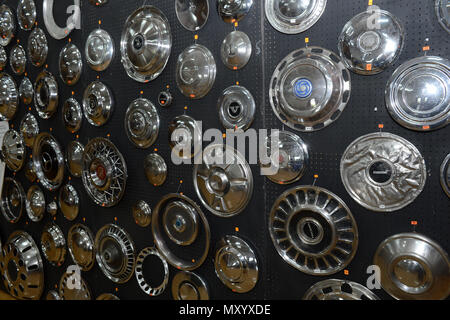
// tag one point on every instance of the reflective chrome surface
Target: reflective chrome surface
(74, 158)
(98, 103)
(26, 14)
(142, 213)
(224, 180)
(290, 160)
(53, 244)
(189, 286)
(333, 289)
(165, 99)
(35, 203)
(196, 71)
(9, 96)
(80, 242)
(309, 89)
(236, 108)
(443, 13)
(115, 253)
(46, 94)
(21, 267)
(383, 172)
(48, 161)
(445, 175)
(72, 115)
(68, 291)
(413, 267)
(3, 58)
(367, 50)
(180, 221)
(184, 135)
(99, 50)
(418, 93)
(104, 172)
(53, 29)
(236, 264)
(26, 91)
(52, 208)
(313, 230)
(233, 10)
(29, 127)
(141, 278)
(155, 169)
(181, 257)
(18, 59)
(142, 123)
(236, 50)
(146, 43)
(69, 202)
(52, 295)
(7, 25)
(13, 150)
(30, 173)
(70, 64)
(12, 200)
(192, 14)
(37, 47)
(294, 16)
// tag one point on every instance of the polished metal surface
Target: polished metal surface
(74, 158)
(309, 89)
(383, 172)
(155, 169)
(104, 172)
(53, 29)
(46, 95)
(443, 13)
(142, 123)
(232, 11)
(142, 213)
(98, 103)
(445, 175)
(21, 267)
(37, 47)
(369, 50)
(48, 161)
(69, 202)
(181, 257)
(146, 43)
(115, 253)
(184, 135)
(70, 64)
(333, 289)
(236, 264)
(53, 244)
(165, 99)
(3, 58)
(418, 93)
(99, 50)
(313, 230)
(289, 161)
(189, 286)
(196, 71)
(107, 296)
(26, 14)
(413, 267)
(68, 291)
(7, 25)
(26, 91)
(30, 173)
(18, 59)
(192, 14)
(141, 278)
(72, 115)
(13, 150)
(9, 96)
(80, 242)
(236, 50)
(52, 208)
(236, 108)
(224, 180)
(12, 200)
(180, 221)
(52, 295)
(294, 16)
(29, 127)
(35, 203)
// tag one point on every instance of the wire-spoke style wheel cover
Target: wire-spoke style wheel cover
(333, 289)
(443, 13)
(313, 230)
(146, 43)
(445, 175)
(294, 16)
(70, 64)
(53, 244)
(46, 95)
(35, 203)
(418, 93)
(81, 245)
(192, 14)
(115, 253)
(37, 47)
(7, 25)
(383, 172)
(224, 180)
(21, 254)
(9, 96)
(26, 14)
(310, 89)
(67, 291)
(189, 286)
(13, 150)
(139, 271)
(99, 50)
(104, 172)
(413, 267)
(12, 200)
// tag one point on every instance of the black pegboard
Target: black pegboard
(363, 114)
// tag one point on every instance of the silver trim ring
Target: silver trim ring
(139, 271)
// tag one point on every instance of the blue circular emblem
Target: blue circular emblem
(303, 88)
